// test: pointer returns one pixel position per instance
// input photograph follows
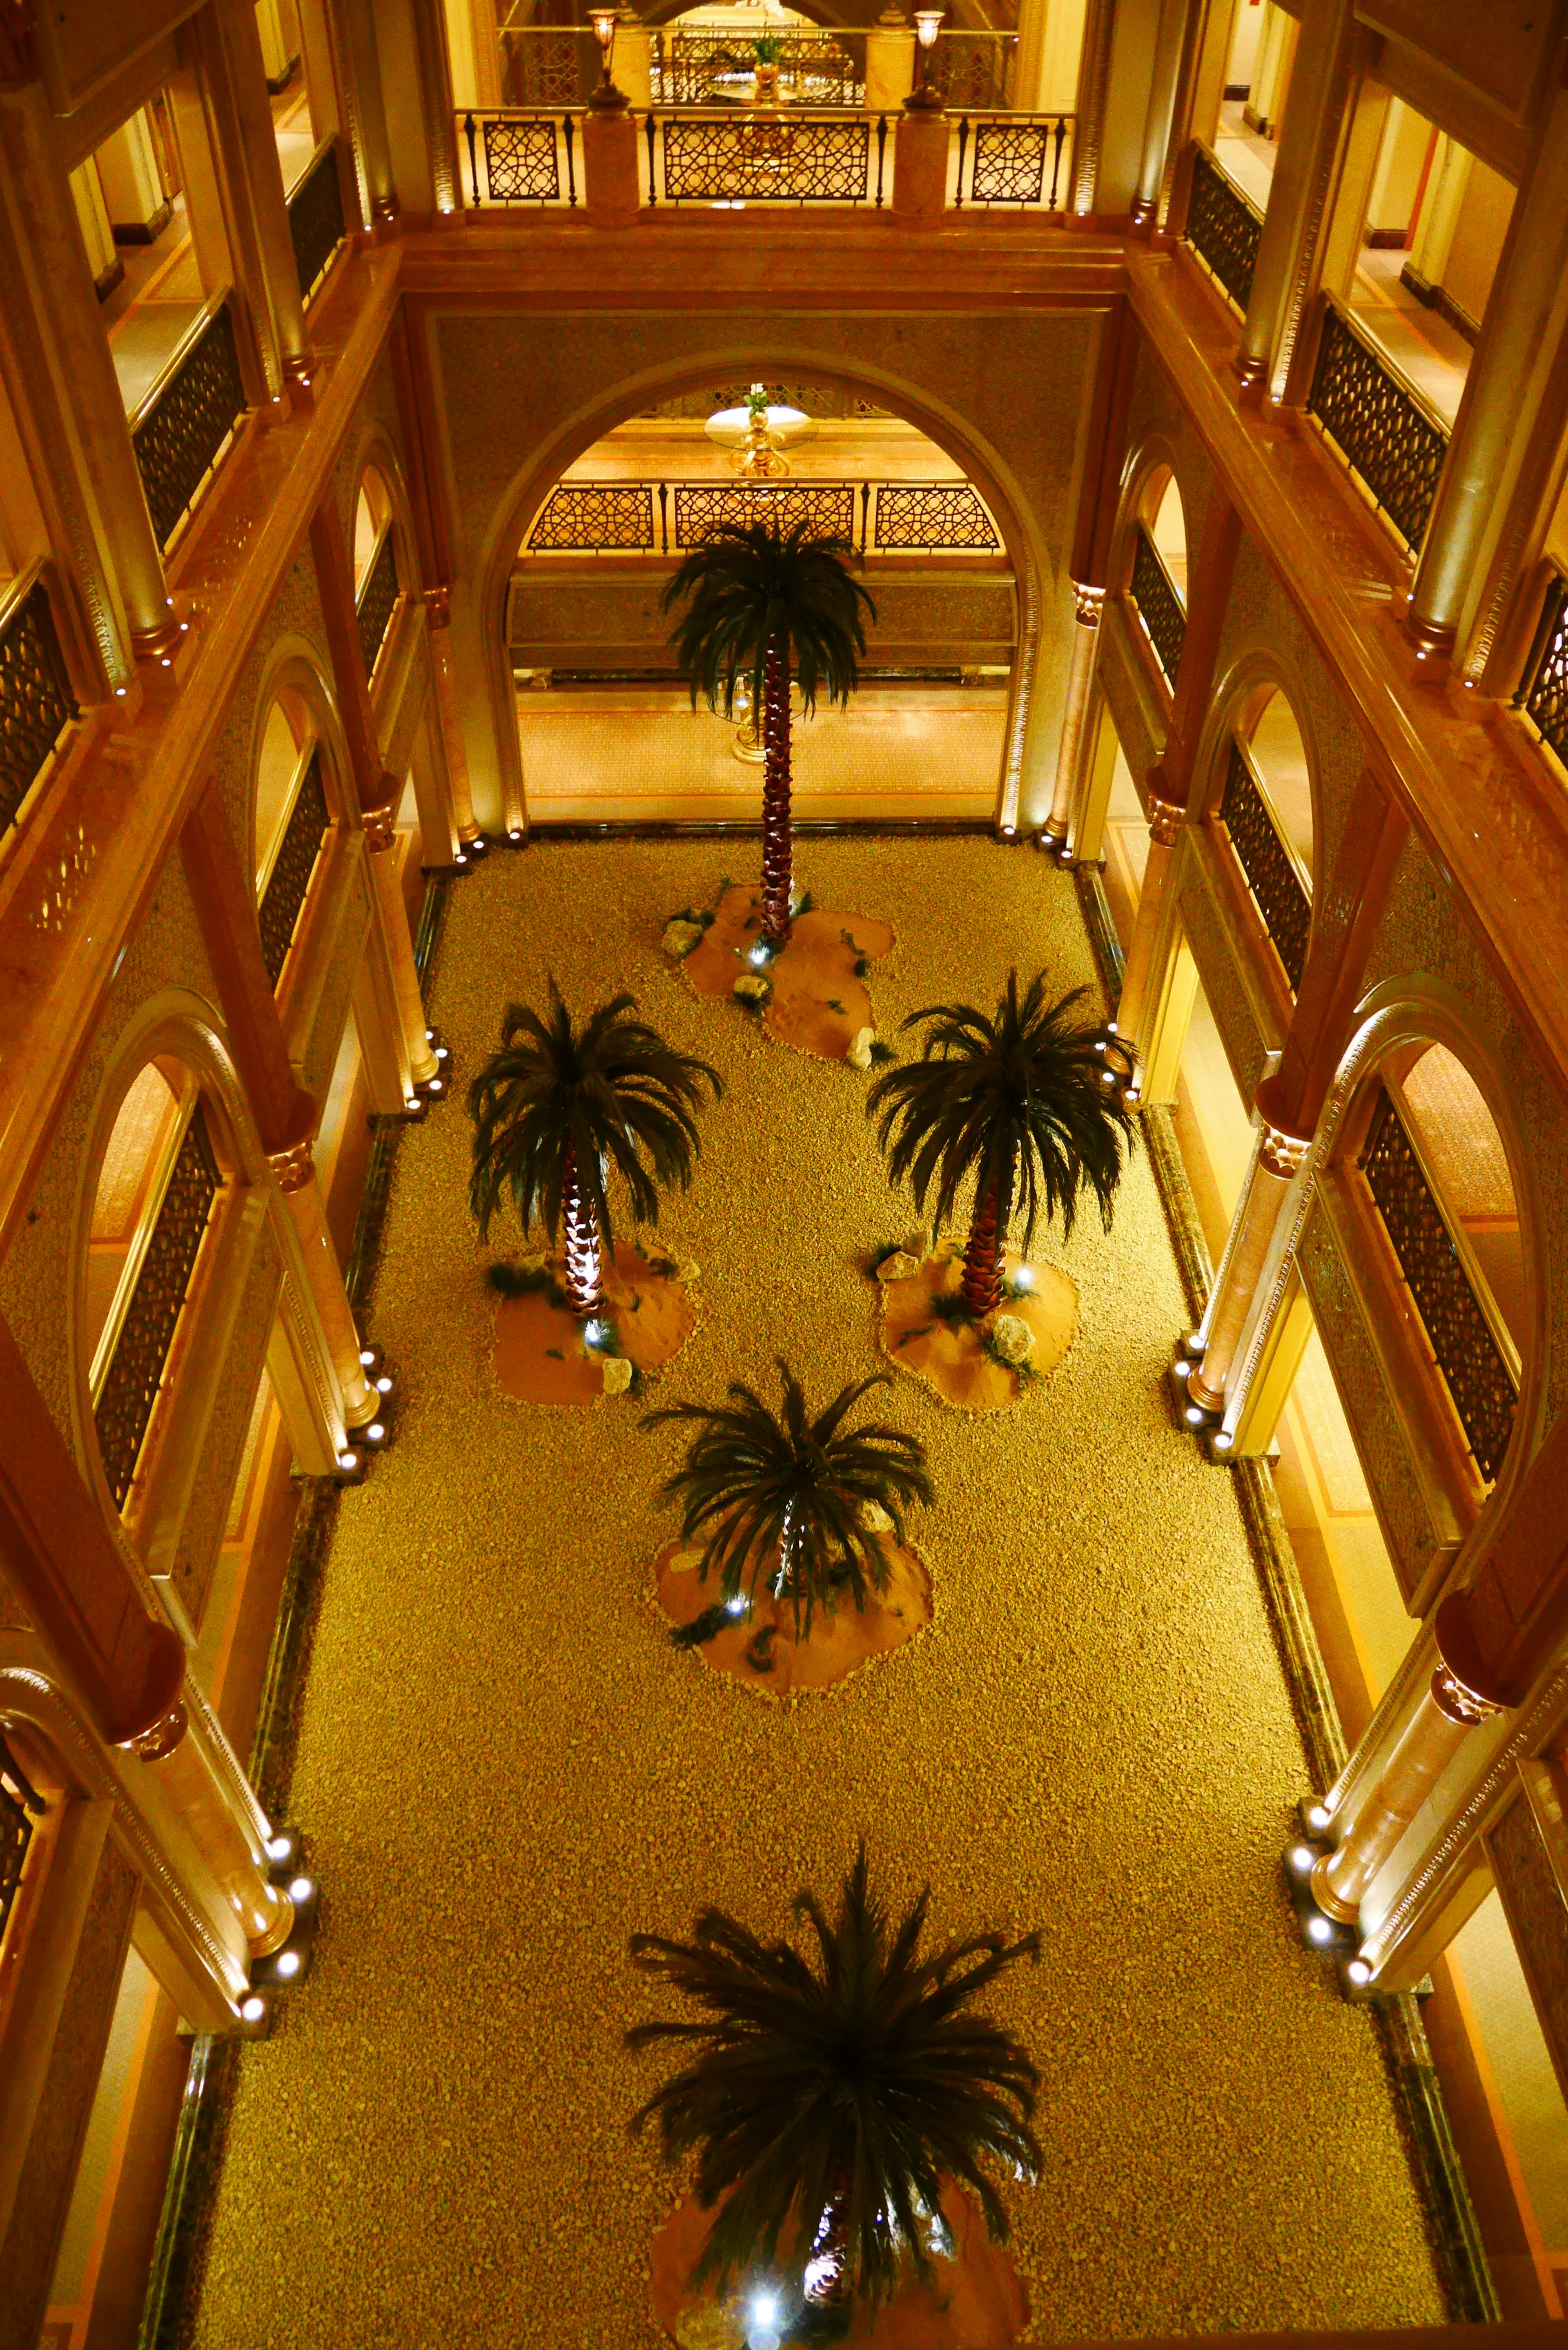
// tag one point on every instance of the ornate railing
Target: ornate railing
(672, 517)
(1223, 227)
(549, 65)
(135, 1373)
(972, 69)
(288, 883)
(377, 600)
(181, 429)
(1473, 1366)
(1382, 428)
(521, 159)
(1277, 887)
(1542, 692)
(36, 703)
(1157, 606)
(698, 68)
(315, 223)
(793, 155)
(18, 1799)
(1024, 160)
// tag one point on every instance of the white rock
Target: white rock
(919, 1244)
(616, 1372)
(679, 938)
(899, 1266)
(859, 1054)
(688, 1273)
(751, 988)
(1014, 1339)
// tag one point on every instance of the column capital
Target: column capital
(1458, 1702)
(1090, 604)
(1165, 822)
(1281, 1153)
(378, 821)
(295, 1168)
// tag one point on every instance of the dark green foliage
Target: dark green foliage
(525, 1280)
(881, 1054)
(755, 586)
(703, 1627)
(854, 2085)
(557, 1100)
(756, 1483)
(1018, 1103)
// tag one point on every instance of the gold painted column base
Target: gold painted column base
(192, 1780)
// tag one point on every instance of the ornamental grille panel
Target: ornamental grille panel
(315, 224)
(775, 158)
(135, 1372)
(545, 67)
(704, 507)
(522, 160)
(597, 519)
(288, 883)
(923, 516)
(1474, 1372)
(1222, 229)
(377, 601)
(1378, 427)
(1544, 692)
(1271, 876)
(36, 699)
(972, 70)
(1159, 606)
(177, 442)
(703, 67)
(15, 1832)
(1014, 163)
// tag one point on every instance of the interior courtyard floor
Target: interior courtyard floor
(505, 1770)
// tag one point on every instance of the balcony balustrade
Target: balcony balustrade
(377, 600)
(1465, 1344)
(294, 867)
(185, 423)
(1157, 606)
(36, 703)
(1542, 692)
(1278, 890)
(19, 1803)
(1223, 228)
(316, 222)
(672, 517)
(1392, 442)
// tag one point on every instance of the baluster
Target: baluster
(1056, 159)
(664, 517)
(571, 172)
(865, 515)
(652, 191)
(963, 142)
(881, 155)
(468, 132)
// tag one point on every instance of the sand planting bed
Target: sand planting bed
(505, 1770)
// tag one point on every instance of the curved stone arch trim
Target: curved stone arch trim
(293, 664)
(1251, 669)
(1154, 452)
(30, 1695)
(1423, 1011)
(376, 451)
(1032, 569)
(176, 1025)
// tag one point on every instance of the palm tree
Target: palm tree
(760, 596)
(1023, 1103)
(557, 1107)
(827, 2103)
(757, 1482)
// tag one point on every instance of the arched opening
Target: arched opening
(159, 1184)
(1263, 809)
(378, 579)
(291, 824)
(1156, 570)
(587, 638)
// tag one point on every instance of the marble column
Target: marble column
(1077, 740)
(1164, 72)
(1447, 1714)
(1274, 1172)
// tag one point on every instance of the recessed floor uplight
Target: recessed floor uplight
(367, 1357)
(288, 1964)
(301, 1888)
(1319, 1930)
(1358, 1972)
(347, 1460)
(1318, 1817)
(279, 1847)
(375, 1432)
(383, 1384)
(254, 2009)
(1302, 1859)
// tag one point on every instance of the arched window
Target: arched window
(1157, 584)
(1436, 1173)
(1265, 809)
(293, 822)
(376, 580)
(158, 1188)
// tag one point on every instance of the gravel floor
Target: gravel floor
(505, 1770)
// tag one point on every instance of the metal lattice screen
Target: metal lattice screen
(1159, 606)
(181, 438)
(36, 702)
(288, 883)
(1223, 229)
(125, 1403)
(377, 601)
(315, 223)
(1378, 427)
(1277, 888)
(1478, 1378)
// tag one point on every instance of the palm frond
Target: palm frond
(856, 2080)
(611, 1095)
(789, 1493)
(1016, 1105)
(752, 585)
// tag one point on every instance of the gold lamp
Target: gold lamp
(607, 95)
(925, 95)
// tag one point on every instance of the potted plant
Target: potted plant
(833, 2100)
(758, 598)
(558, 1107)
(1022, 1105)
(766, 66)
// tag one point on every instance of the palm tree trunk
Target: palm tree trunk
(778, 847)
(584, 1266)
(828, 2282)
(985, 1257)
